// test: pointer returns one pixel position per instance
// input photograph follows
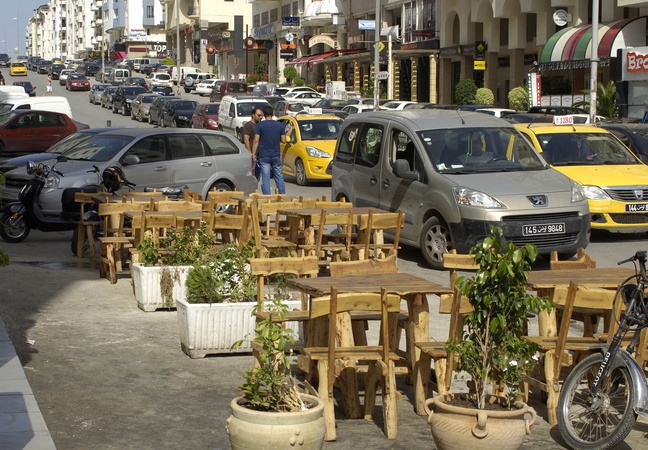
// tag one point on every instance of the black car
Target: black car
(135, 81)
(32, 62)
(89, 69)
(155, 110)
(4, 60)
(556, 110)
(55, 70)
(161, 90)
(633, 135)
(529, 118)
(177, 113)
(29, 88)
(123, 97)
(146, 70)
(43, 66)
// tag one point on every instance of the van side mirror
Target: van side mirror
(402, 170)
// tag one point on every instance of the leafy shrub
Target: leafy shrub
(261, 68)
(252, 78)
(484, 96)
(519, 99)
(313, 86)
(290, 73)
(168, 62)
(182, 247)
(465, 92)
(299, 81)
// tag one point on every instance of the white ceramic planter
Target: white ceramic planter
(146, 281)
(211, 328)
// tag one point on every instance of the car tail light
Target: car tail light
(287, 109)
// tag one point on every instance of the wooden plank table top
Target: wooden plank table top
(599, 277)
(109, 198)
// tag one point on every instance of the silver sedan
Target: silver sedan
(140, 107)
(95, 92)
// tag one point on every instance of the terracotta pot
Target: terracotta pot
(259, 430)
(454, 427)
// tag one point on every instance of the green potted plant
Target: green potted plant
(491, 351)
(217, 310)
(271, 412)
(160, 277)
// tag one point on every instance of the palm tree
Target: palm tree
(605, 100)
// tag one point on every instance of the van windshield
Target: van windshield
(472, 150)
(99, 148)
(5, 107)
(4, 118)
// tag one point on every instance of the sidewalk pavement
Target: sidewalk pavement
(107, 375)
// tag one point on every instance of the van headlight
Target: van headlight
(316, 152)
(580, 192)
(51, 182)
(593, 193)
(469, 197)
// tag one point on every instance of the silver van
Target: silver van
(454, 174)
(118, 76)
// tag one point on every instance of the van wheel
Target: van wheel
(114, 109)
(300, 173)
(434, 242)
(187, 90)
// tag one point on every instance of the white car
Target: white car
(396, 105)
(355, 109)
(63, 76)
(497, 112)
(205, 87)
(309, 98)
(287, 90)
(159, 79)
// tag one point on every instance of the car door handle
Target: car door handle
(386, 183)
(206, 164)
(160, 169)
(373, 179)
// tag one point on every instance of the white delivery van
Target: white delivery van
(8, 93)
(118, 76)
(140, 63)
(183, 69)
(53, 103)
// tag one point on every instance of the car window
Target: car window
(150, 149)
(26, 121)
(290, 130)
(403, 147)
(245, 109)
(51, 120)
(219, 145)
(236, 87)
(99, 148)
(212, 109)
(147, 99)
(319, 129)
(369, 145)
(585, 148)
(185, 146)
(347, 143)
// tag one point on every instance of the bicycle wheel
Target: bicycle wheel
(606, 420)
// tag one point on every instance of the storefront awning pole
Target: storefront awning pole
(377, 58)
(594, 65)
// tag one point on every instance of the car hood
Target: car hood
(21, 161)
(185, 112)
(507, 183)
(607, 175)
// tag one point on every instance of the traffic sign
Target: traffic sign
(382, 75)
(289, 37)
(479, 65)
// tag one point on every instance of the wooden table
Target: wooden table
(411, 288)
(181, 216)
(544, 282)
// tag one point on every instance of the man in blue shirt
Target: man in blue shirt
(265, 149)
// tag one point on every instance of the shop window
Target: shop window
(274, 13)
(295, 9)
(504, 32)
(531, 26)
(264, 18)
(256, 20)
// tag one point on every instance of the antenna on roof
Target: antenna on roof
(461, 118)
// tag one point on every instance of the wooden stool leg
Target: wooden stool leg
(390, 400)
(81, 232)
(553, 391)
(329, 408)
(110, 255)
(370, 390)
(424, 368)
(91, 243)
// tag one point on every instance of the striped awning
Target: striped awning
(574, 44)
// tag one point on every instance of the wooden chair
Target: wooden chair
(86, 227)
(332, 360)
(338, 250)
(265, 246)
(116, 237)
(224, 201)
(170, 205)
(188, 195)
(364, 266)
(556, 352)
(372, 226)
(272, 223)
(232, 228)
(583, 261)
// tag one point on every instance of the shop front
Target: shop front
(632, 82)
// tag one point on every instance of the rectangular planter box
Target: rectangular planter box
(146, 281)
(212, 328)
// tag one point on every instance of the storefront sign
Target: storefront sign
(530, 59)
(286, 54)
(262, 31)
(635, 64)
(321, 39)
(290, 21)
(136, 34)
(568, 65)
(451, 51)
(504, 61)
(366, 24)
(479, 65)
(354, 39)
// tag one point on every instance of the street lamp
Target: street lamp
(17, 33)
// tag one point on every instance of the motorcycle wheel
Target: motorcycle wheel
(13, 230)
(601, 424)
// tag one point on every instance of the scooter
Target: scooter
(17, 219)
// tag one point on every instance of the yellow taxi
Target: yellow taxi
(309, 147)
(17, 69)
(614, 180)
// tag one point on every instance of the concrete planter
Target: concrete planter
(212, 328)
(146, 281)
(252, 430)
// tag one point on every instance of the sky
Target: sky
(12, 32)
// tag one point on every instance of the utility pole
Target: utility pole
(246, 52)
(594, 63)
(377, 58)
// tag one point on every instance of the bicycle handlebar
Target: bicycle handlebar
(640, 256)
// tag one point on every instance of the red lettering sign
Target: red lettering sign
(636, 62)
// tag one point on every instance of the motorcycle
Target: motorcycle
(17, 219)
(603, 394)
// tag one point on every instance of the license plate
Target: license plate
(545, 228)
(636, 207)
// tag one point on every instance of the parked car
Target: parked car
(191, 80)
(355, 109)
(17, 69)
(273, 99)
(102, 75)
(289, 108)
(55, 70)
(206, 116)
(177, 113)
(155, 110)
(332, 103)
(205, 87)
(164, 91)
(150, 68)
(5, 60)
(633, 135)
(135, 81)
(287, 90)
(236, 111)
(63, 76)
(454, 176)
(159, 79)
(396, 105)
(32, 63)
(556, 110)
(43, 65)
(140, 106)
(29, 88)
(309, 147)
(308, 98)
(528, 118)
(34, 131)
(107, 96)
(497, 112)
(151, 158)
(122, 98)
(89, 69)
(614, 180)
(264, 88)
(226, 87)
(96, 91)
(77, 82)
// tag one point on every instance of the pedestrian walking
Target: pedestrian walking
(268, 134)
(2, 80)
(48, 83)
(248, 136)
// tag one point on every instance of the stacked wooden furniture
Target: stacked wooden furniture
(338, 249)
(583, 261)
(86, 228)
(268, 245)
(371, 230)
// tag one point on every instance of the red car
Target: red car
(77, 82)
(30, 131)
(206, 116)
